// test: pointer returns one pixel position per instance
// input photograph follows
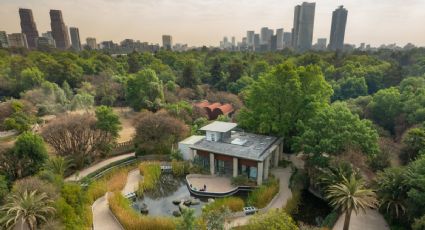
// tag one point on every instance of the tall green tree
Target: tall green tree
(144, 91)
(385, 107)
(189, 77)
(31, 153)
(282, 97)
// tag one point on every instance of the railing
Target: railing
(123, 147)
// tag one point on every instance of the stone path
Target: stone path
(372, 219)
(87, 171)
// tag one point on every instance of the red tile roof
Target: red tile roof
(226, 109)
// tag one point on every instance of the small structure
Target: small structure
(231, 153)
(215, 109)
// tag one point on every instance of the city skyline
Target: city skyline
(149, 20)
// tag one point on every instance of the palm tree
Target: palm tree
(58, 165)
(29, 208)
(351, 195)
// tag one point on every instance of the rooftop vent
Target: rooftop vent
(238, 141)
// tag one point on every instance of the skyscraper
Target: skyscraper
(4, 42)
(250, 38)
(75, 38)
(339, 21)
(91, 43)
(28, 27)
(17, 40)
(167, 42)
(287, 39)
(279, 39)
(302, 34)
(264, 35)
(59, 30)
(256, 41)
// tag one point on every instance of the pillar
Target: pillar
(235, 167)
(194, 153)
(266, 167)
(259, 173)
(212, 165)
(276, 156)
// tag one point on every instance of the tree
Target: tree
(144, 91)
(351, 87)
(385, 107)
(350, 195)
(31, 208)
(236, 70)
(188, 220)
(414, 144)
(334, 130)
(30, 78)
(82, 101)
(20, 118)
(282, 97)
(156, 133)
(4, 188)
(76, 136)
(109, 123)
(273, 219)
(189, 76)
(58, 165)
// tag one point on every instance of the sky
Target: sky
(205, 22)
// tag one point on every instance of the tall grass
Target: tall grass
(151, 172)
(179, 168)
(131, 220)
(262, 195)
(234, 204)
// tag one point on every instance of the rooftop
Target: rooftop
(192, 139)
(219, 126)
(240, 144)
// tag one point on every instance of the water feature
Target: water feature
(160, 201)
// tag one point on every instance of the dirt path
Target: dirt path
(372, 219)
(87, 171)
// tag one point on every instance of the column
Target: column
(276, 156)
(212, 165)
(194, 153)
(235, 167)
(260, 173)
(266, 167)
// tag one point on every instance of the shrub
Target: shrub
(273, 219)
(291, 206)
(242, 180)
(330, 220)
(151, 172)
(299, 180)
(131, 220)
(262, 195)
(234, 204)
(179, 168)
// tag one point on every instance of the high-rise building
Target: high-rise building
(17, 40)
(47, 40)
(28, 27)
(167, 42)
(273, 43)
(339, 21)
(250, 38)
(287, 39)
(233, 42)
(321, 44)
(279, 39)
(75, 38)
(264, 35)
(4, 42)
(91, 43)
(302, 34)
(59, 30)
(256, 41)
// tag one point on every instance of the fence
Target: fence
(122, 148)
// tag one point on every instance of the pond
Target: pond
(312, 210)
(160, 201)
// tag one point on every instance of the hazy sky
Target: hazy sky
(205, 22)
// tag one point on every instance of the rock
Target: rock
(187, 202)
(195, 202)
(182, 207)
(177, 213)
(210, 200)
(144, 209)
(176, 202)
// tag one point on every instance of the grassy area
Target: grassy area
(262, 195)
(179, 168)
(151, 172)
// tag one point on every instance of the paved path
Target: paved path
(283, 195)
(102, 216)
(371, 220)
(97, 166)
(133, 179)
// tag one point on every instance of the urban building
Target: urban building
(48, 35)
(75, 38)
(321, 44)
(256, 41)
(91, 43)
(28, 27)
(250, 38)
(108, 45)
(17, 40)
(264, 35)
(339, 21)
(45, 43)
(167, 42)
(227, 152)
(287, 39)
(273, 43)
(302, 34)
(279, 39)
(4, 41)
(59, 29)
(233, 42)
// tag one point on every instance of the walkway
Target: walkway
(372, 219)
(93, 168)
(278, 202)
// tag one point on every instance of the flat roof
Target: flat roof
(219, 126)
(192, 139)
(245, 145)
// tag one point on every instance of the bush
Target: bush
(291, 206)
(273, 219)
(380, 161)
(131, 220)
(330, 220)
(179, 168)
(234, 204)
(151, 172)
(243, 180)
(262, 195)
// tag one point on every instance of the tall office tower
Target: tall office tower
(233, 41)
(28, 27)
(17, 40)
(167, 42)
(273, 43)
(339, 21)
(264, 35)
(250, 38)
(59, 30)
(91, 43)
(287, 39)
(321, 44)
(256, 41)
(302, 36)
(4, 42)
(279, 39)
(75, 38)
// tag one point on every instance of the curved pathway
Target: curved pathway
(372, 219)
(93, 168)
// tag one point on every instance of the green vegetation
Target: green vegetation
(179, 168)
(233, 204)
(262, 195)
(274, 219)
(151, 172)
